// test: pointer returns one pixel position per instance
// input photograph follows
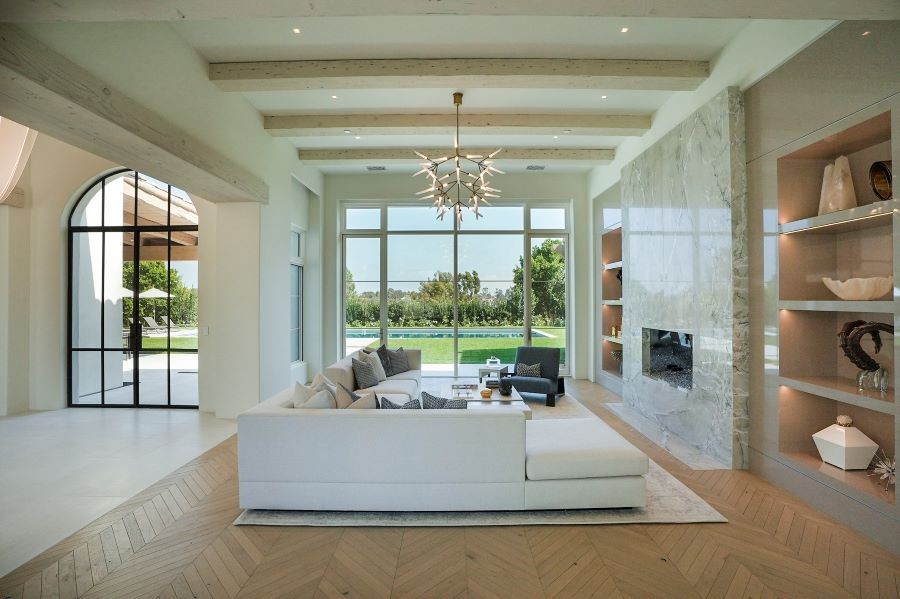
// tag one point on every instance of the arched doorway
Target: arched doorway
(133, 295)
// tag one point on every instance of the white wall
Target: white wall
(153, 65)
(14, 296)
(518, 186)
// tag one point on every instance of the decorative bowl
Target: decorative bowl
(486, 393)
(860, 289)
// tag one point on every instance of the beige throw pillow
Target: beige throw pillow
(377, 366)
(301, 394)
(366, 402)
(321, 400)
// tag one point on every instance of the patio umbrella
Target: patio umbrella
(154, 294)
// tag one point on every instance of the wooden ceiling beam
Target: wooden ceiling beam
(394, 155)
(43, 90)
(470, 73)
(424, 124)
(187, 10)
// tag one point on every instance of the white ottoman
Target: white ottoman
(581, 463)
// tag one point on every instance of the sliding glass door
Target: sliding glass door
(461, 293)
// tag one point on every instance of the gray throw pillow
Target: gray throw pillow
(399, 361)
(528, 370)
(364, 373)
(412, 404)
(432, 402)
(384, 354)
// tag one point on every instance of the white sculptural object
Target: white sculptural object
(837, 187)
(845, 446)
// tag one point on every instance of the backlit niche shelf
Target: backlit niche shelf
(816, 382)
(611, 298)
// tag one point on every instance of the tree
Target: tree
(440, 286)
(548, 282)
(154, 274)
(349, 285)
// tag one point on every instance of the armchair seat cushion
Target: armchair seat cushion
(531, 384)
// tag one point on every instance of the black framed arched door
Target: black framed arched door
(133, 295)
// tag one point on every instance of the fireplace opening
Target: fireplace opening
(669, 356)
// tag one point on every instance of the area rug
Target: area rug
(669, 501)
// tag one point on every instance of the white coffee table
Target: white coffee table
(513, 401)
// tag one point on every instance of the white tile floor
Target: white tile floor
(60, 470)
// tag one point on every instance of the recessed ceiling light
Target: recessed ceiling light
(358, 137)
(567, 130)
(866, 33)
(624, 29)
(346, 130)
(602, 97)
(556, 137)
(296, 30)
(334, 97)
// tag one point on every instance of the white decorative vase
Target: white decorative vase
(845, 447)
(837, 187)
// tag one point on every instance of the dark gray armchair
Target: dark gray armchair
(549, 383)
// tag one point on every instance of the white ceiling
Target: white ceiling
(337, 38)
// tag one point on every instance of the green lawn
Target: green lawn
(157, 343)
(475, 350)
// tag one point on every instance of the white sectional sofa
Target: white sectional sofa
(404, 385)
(431, 460)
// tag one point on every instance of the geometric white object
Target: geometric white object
(837, 187)
(845, 447)
(868, 288)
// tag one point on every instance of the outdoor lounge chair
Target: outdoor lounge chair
(168, 322)
(151, 324)
(549, 383)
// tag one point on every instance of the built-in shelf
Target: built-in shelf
(613, 265)
(611, 339)
(812, 465)
(616, 302)
(842, 390)
(854, 219)
(886, 306)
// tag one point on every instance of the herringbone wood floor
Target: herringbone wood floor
(176, 540)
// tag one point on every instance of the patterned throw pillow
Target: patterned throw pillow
(384, 355)
(528, 370)
(432, 402)
(399, 361)
(412, 404)
(364, 373)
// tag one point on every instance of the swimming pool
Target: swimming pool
(444, 333)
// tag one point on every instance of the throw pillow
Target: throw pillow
(432, 402)
(301, 394)
(344, 397)
(377, 366)
(412, 404)
(321, 382)
(399, 361)
(528, 370)
(385, 357)
(365, 402)
(364, 373)
(321, 400)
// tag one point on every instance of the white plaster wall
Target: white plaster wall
(14, 296)
(518, 186)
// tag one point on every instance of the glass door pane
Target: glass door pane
(182, 319)
(491, 312)
(548, 293)
(362, 293)
(420, 299)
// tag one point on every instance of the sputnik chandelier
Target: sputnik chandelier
(460, 181)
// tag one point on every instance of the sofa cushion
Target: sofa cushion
(375, 362)
(399, 361)
(528, 370)
(432, 402)
(365, 375)
(397, 386)
(322, 400)
(412, 404)
(365, 402)
(579, 448)
(385, 357)
(301, 394)
(344, 397)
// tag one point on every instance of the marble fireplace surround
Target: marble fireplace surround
(685, 263)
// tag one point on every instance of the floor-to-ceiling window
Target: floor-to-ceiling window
(462, 293)
(133, 295)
